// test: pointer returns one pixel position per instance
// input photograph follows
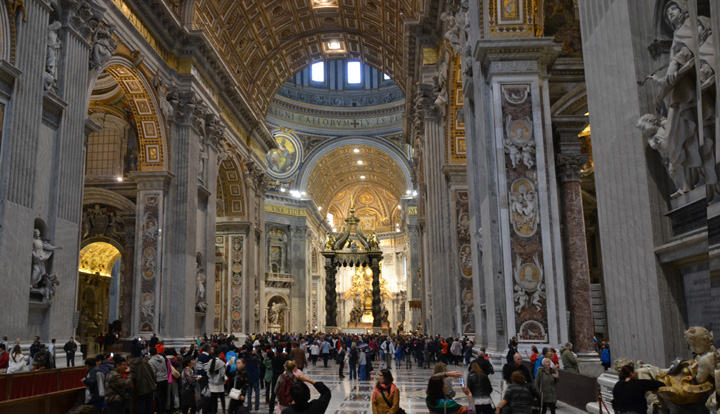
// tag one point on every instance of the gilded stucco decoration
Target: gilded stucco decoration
(515, 18)
(528, 286)
(231, 190)
(456, 148)
(339, 171)
(98, 257)
(376, 208)
(267, 42)
(147, 153)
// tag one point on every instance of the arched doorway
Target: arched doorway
(100, 273)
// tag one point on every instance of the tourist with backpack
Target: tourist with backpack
(283, 386)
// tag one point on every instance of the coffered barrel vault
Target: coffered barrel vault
(265, 43)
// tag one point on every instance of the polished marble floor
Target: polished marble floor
(353, 397)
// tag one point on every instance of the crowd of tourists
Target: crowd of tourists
(219, 373)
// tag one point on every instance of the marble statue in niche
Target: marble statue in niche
(524, 212)
(690, 158)
(519, 142)
(200, 302)
(276, 309)
(52, 56)
(41, 252)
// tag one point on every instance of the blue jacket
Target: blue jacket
(252, 366)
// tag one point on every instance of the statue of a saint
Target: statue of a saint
(373, 241)
(41, 252)
(53, 51)
(329, 241)
(274, 314)
(200, 303)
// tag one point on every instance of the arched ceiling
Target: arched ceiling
(230, 188)
(338, 171)
(377, 208)
(98, 257)
(265, 42)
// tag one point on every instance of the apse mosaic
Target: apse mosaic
(283, 161)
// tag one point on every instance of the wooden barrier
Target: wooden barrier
(39, 383)
(53, 403)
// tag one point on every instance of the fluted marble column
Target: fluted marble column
(439, 270)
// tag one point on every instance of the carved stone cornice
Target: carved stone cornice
(516, 55)
(152, 180)
(570, 166)
(195, 44)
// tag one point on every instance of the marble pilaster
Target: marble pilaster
(298, 264)
(516, 191)
(152, 190)
(440, 269)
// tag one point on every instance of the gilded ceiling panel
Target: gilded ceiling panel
(266, 42)
(340, 170)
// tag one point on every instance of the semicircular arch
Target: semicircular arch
(231, 200)
(148, 119)
(377, 143)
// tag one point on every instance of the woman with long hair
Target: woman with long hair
(437, 400)
(17, 361)
(441, 368)
(385, 396)
(480, 387)
(216, 381)
(240, 381)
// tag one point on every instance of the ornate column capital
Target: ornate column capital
(257, 176)
(186, 108)
(570, 165)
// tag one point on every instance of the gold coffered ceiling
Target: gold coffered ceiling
(264, 42)
(337, 175)
(98, 257)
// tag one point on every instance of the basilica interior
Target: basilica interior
(485, 169)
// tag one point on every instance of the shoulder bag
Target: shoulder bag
(234, 394)
(400, 410)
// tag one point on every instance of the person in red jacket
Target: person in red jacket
(4, 359)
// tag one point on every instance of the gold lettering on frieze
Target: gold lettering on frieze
(334, 123)
(412, 211)
(284, 210)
